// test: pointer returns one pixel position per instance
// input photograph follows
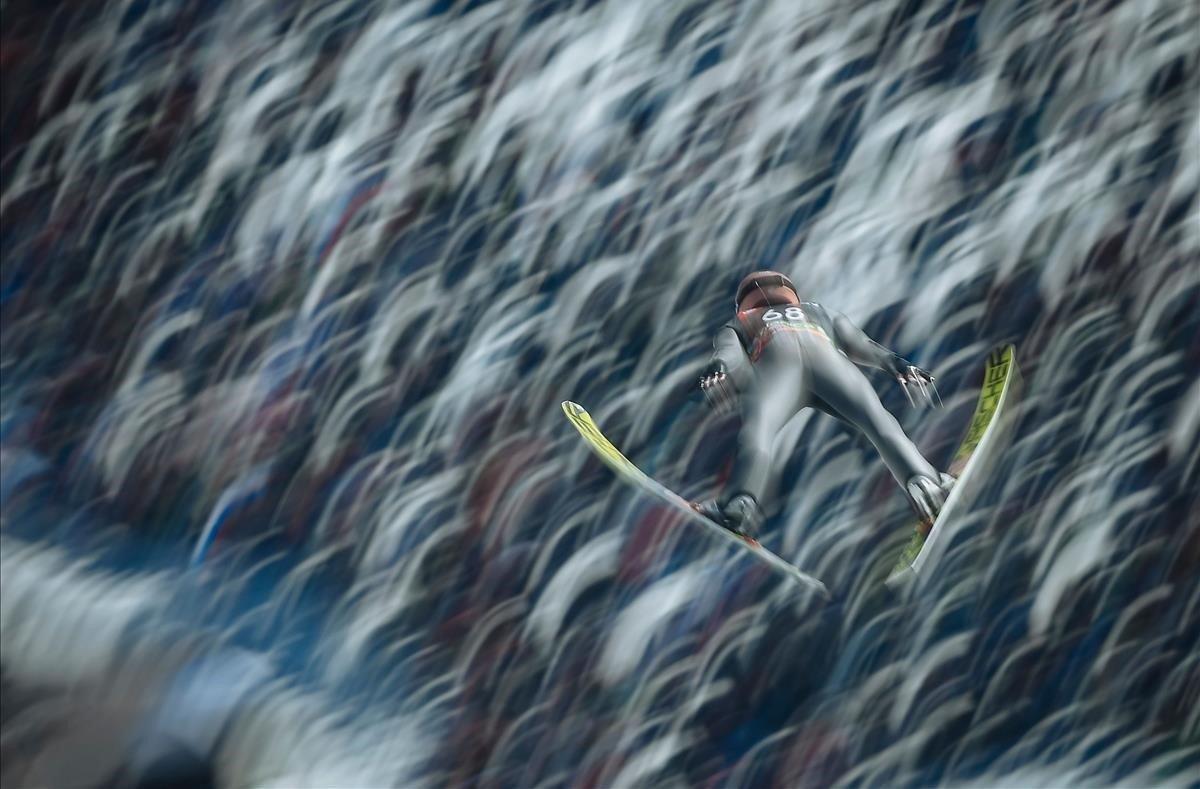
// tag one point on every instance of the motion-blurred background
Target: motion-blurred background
(291, 292)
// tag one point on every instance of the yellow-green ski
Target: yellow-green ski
(983, 441)
(629, 472)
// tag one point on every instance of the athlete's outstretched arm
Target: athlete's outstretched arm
(861, 349)
(857, 346)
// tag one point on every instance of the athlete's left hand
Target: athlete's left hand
(917, 383)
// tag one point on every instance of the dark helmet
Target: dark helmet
(762, 279)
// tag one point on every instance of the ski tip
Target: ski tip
(900, 580)
(571, 408)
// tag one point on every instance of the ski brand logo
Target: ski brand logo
(995, 378)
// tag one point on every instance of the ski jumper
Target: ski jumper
(787, 357)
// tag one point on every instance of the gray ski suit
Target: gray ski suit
(787, 357)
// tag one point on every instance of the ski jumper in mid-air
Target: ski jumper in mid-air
(780, 355)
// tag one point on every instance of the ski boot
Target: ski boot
(741, 515)
(928, 497)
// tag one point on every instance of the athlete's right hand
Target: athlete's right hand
(718, 389)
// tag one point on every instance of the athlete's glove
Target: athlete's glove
(913, 379)
(718, 389)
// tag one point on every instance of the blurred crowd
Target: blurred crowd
(291, 292)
